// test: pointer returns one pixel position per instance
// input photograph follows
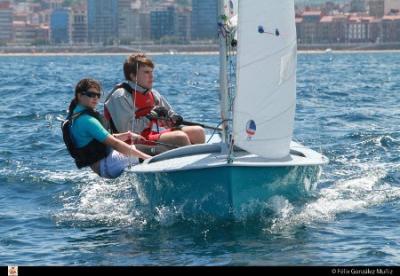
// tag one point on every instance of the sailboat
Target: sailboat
(255, 158)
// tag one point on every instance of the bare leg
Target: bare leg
(177, 137)
(196, 134)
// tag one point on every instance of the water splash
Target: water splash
(102, 202)
(167, 216)
(351, 195)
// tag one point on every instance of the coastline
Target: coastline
(207, 49)
(304, 52)
(102, 54)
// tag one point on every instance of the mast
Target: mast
(227, 30)
(223, 80)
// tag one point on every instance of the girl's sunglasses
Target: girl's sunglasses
(91, 94)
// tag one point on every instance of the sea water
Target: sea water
(54, 214)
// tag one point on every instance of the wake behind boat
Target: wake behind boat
(256, 158)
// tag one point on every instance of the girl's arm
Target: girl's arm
(122, 147)
(129, 137)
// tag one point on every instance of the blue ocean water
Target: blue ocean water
(53, 214)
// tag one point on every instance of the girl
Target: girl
(87, 140)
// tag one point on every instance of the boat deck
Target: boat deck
(213, 155)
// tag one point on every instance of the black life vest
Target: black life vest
(92, 152)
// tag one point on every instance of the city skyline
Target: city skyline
(128, 22)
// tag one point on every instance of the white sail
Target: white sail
(265, 100)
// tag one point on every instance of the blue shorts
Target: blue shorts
(115, 163)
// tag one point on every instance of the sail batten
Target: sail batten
(265, 100)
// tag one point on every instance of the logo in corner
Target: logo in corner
(12, 270)
(251, 129)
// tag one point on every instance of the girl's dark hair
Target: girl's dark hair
(81, 86)
(134, 62)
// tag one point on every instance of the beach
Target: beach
(182, 49)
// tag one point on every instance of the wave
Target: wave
(355, 195)
(98, 202)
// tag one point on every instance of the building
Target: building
(60, 26)
(129, 28)
(163, 23)
(102, 21)
(30, 34)
(145, 25)
(375, 30)
(392, 5)
(204, 20)
(79, 26)
(299, 22)
(6, 22)
(309, 27)
(41, 17)
(52, 4)
(332, 29)
(358, 6)
(183, 24)
(376, 8)
(391, 28)
(357, 29)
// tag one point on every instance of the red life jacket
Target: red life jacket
(144, 103)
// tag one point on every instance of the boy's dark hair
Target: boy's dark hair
(134, 62)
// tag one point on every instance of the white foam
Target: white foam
(352, 195)
(167, 216)
(102, 201)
